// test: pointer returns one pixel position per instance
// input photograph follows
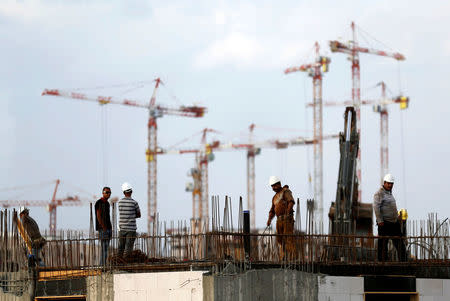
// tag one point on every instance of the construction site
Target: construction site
(225, 249)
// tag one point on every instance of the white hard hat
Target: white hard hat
(273, 180)
(388, 178)
(22, 209)
(126, 186)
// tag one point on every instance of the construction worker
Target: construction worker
(103, 223)
(32, 230)
(282, 206)
(388, 219)
(128, 212)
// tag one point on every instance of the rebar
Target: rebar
(177, 243)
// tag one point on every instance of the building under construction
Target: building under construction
(223, 258)
(229, 262)
(218, 256)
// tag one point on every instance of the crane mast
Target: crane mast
(52, 211)
(316, 71)
(152, 171)
(384, 135)
(356, 98)
(251, 153)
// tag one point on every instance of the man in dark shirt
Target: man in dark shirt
(103, 223)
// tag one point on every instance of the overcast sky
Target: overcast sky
(228, 56)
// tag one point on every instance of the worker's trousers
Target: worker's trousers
(105, 238)
(126, 242)
(285, 225)
(390, 229)
(36, 251)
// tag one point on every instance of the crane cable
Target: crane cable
(104, 147)
(402, 139)
(308, 150)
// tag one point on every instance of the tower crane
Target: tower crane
(353, 49)
(155, 111)
(379, 106)
(199, 174)
(316, 71)
(51, 206)
(205, 154)
(254, 149)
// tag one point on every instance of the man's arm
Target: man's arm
(290, 199)
(138, 211)
(377, 208)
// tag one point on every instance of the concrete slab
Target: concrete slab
(446, 288)
(357, 297)
(147, 280)
(334, 297)
(272, 284)
(341, 285)
(440, 298)
(159, 286)
(429, 287)
(135, 295)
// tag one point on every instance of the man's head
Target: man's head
(106, 192)
(388, 182)
(275, 183)
(127, 189)
(23, 211)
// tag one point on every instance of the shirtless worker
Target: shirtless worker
(283, 207)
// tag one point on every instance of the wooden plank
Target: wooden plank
(73, 297)
(390, 293)
(65, 274)
(23, 234)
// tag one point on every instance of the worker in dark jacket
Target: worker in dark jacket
(103, 223)
(32, 230)
(388, 220)
(282, 207)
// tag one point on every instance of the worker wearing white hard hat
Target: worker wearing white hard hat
(283, 208)
(128, 212)
(126, 187)
(388, 178)
(273, 180)
(387, 218)
(32, 231)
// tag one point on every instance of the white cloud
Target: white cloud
(235, 49)
(220, 18)
(13, 9)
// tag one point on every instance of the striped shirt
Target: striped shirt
(127, 214)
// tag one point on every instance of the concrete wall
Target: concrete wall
(433, 289)
(99, 288)
(15, 287)
(333, 288)
(170, 286)
(270, 284)
(273, 284)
